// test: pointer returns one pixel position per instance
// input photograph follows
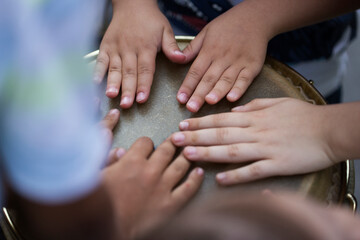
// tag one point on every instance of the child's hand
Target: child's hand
(279, 136)
(128, 50)
(144, 186)
(230, 53)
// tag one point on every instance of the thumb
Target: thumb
(170, 47)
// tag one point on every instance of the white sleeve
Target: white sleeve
(52, 150)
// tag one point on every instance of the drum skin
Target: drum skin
(159, 117)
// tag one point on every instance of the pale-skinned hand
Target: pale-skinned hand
(144, 186)
(129, 47)
(230, 52)
(278, 136)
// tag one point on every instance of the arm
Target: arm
(280, 136)
(230, 51)
(138, 30)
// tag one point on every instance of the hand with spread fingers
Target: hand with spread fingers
(281, 136)
(229, 53)
(144, 186)
(138, 30)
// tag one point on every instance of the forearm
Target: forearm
(342, 123)
(278, 16)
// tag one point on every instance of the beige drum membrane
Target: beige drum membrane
(159, 117)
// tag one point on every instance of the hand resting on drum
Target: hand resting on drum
(276, 136)
(229, 53)
(143, 186)
(129, 47)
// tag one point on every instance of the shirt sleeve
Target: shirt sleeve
(51, 146)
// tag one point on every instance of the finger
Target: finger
(192, 78)
(232, 153)
(114, 77)
(213, 136)
(141, 149)
(129, 80)
(162, 156)
(252, 172)
(111, 119)
(146, 69)
(223, 86)
(183, 193)
(176, 171)
(102, 63)
(114, 155)
(258, 104)
(243, 81)
(215, 121)
(194, 47)
(207, 82)
(171, 48)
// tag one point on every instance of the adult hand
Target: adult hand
(138, 30)
(279, 136)
(230, 52)
(144, 186)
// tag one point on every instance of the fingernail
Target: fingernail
(140, 97)
(190, 151)
(238, 109)
(232, 95)
(125, 101)
(177, 52)
(112, 90)
(182, 97)
(220, 176)
(193, 105)
(183, 125)
(120, 152)
(178, 137)
(114, 111)
(199, 171)
(212, 96)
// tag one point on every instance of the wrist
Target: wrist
(132, 4)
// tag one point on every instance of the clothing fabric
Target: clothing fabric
(50, 147)
(319, 45)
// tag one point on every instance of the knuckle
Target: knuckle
(145, 140)
(115, 68)
(210, 78)
(145, 69)
(218, 118)
(233, 151)
(246, 76)
(194, 137)
(255, 171)
(227, 80)
(221, 134)
(194, 73)
(129, 72)
(101, 59)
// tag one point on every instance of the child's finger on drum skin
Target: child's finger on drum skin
(255, 171)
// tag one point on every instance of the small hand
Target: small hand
(144, 186)
(129, 47)
(230, 53)
(280, 136)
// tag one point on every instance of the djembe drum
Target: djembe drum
(159, 117)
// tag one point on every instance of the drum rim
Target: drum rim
(347, 187)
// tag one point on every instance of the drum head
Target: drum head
(159, 117)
